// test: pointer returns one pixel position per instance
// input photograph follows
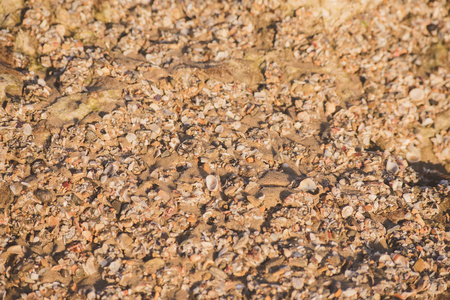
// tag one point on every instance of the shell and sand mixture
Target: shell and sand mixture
(224, 149)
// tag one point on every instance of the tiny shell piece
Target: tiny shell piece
(297, 283)
(131, 137)
(304, 116)
(391, 166)
(307, 185)
(27, 129)
(347, 211)
(219, 129)
(155, 128)
(385, 258)
(413, 155)
(16, 249)
(417, 94)
(115, 265)
(400, 259)
(350, 292)
(408, 198)
(195, 258)
(212, 183)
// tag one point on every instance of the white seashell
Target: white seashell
(109, 169)
(42, 82)
(16, 188)
(195, 258)
(347, 211)
(391, 166)
(350, 293)
(427, 121)
(221, 55)
(240, 148)
(330, 108)
(236, 125)
(242, 242)
(212, 183)
(417, 94)
(298, 283)
(408, 197)
(131, 137)
(89, 267)
(155, 128)
(385, 258)
(376, 205)
(304, 116)
(307, 185)
(219, 129)
(445, 154)
(218, 273)
(413, 155)
(27, 129)
(399, 259)
(115, 265)
(435, 80)
(230, 114)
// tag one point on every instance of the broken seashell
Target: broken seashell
(219, 129)
(298, 283)
(195, 258)
(400, 259)
(385, 258)
(347, 211)
(391, 166)
(413, 155)
(131, 137)
(27, 129)
(417, 94)
(304, 116)
(16, 249)
(307, 185)
(212, 183)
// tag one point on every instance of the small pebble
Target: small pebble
(419, 265)
(45, 196)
